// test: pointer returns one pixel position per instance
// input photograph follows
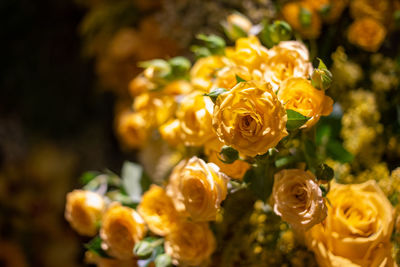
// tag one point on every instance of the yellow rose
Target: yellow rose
(299, 95)
(367, 33)
(298, 198)
(171, 132)
(158, 211)
(132, 129)
(286, 60)
(291, 13)
(235, 170)
(84, 210)
(248, 52)
(178, 87)
(250, 118)
(195, 116)
(357, 229)
(376, 9)
(154, 108)
(197, 189)
(203, 72)
(121, 229)
(140, 85)
(227, 77)
(191, 244)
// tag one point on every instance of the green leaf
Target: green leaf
(180, 66)
(394, 198)
(200, 51)
(163, 260)
(284, 161)
(239, 79)
(94, 246)
(158, 250)
(131, 180)
(88, 176)
(161, 67)
(145, 247)
(325, 10)
(295, 120)
(305, 17)
(228, 154)
(324, 172)
(336, 151)
(259, 181)
(215, 93)
(214, 43)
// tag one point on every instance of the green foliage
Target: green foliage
(88, 176)
(295, 120)
(305, 17)
(150, 248)
(134, 181)
(215, 93)
(163, 260)
(228, 154)
(239, 79)
(273, 34)
(213, 45)
(324, 172)
(321, 77)
(94, 246)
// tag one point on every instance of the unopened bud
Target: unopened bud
(237, 26)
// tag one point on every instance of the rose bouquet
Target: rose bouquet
(236, 168)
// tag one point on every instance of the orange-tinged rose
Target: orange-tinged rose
(248, 52)
(197, 189)
(298, 198)
(132, 129)
(195, 116)
(286, 60)
(158, 211)
(250, 118)
(367, 33)
(299, 95)
(191, 244)
(333, 8)
(377, 9)
(235, 170)
(121, 229)
(84, 210)
(291, 13)
(357, 229)
(203, 72)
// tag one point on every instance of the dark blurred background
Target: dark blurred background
(54, 124)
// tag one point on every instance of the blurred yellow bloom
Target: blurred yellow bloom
(367, 33)
(132, 129)
(178, 87)
(250, 118)
(121, 229)
(286, 60)
(154, 108)
(330, 10)
(158, 211)
(298, 198)
(191, 244)
(140, 85)
(84, 210)
(248, 52)
(357, 229)
(299, 95)
(292, 14)
(195, 116)
(376, 9)
(197, 189)
(203, 72)
(171, 132)
(235, 170)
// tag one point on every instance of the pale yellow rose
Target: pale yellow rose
(250, 118)
(171, 132)
(191, 244)
(197, 189)
(155, 109)
(132, 129)
(121, 228)
(357, 230)
(203, 72)
(291, 14)
(195, 117)
(298, 198)
(84, 210)
(367, 33)
(299, 95)
(158, 211)
(235, 170)
(286, 60)
(248, 52)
